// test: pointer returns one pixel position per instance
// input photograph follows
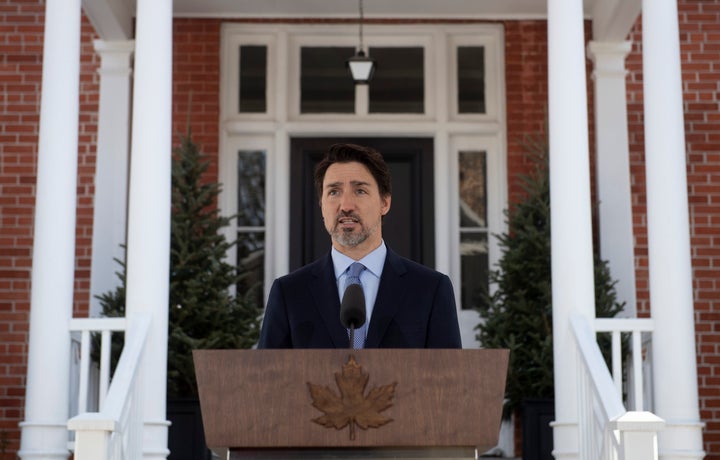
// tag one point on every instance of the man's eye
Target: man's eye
(361, 192)
(332, 192)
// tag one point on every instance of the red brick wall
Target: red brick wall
(526, 85)
(526, 82)
(87, 143)
(196, 85)
(21, 24)
(19, 101)
(20, 75)
(637, 168)
(700, 49)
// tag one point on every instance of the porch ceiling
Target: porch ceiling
(380, 8)
(612, 18)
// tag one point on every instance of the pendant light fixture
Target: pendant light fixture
(361, 66)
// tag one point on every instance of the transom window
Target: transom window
(310, 71)
(324, 83)
(398, 85)
(253, 79)
(471, 79)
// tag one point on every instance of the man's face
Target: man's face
(352, 208)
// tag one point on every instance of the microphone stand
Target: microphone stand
(352, 335)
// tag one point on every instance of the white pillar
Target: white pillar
(571, 236)
(148, 252)
(44, 433)
(673, 344)
(613, 168)
(111, 167)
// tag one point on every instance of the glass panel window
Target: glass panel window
(398, 85)
(253, 79)
(251, 224)
(474, 262)
(473, 268)
(325, 84)
(473, 189)
(471, 79)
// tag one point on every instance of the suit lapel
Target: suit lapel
(325, 293)
(391, 292)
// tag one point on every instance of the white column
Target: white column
(148, 252)
(44, 433)
(613, 168)
(674, 360)
(571, 238)
(111, 167)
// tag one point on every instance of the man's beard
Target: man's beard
(349, 237)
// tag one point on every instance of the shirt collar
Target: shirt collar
(373, 262)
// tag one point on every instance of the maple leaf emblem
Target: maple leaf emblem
(352, 407)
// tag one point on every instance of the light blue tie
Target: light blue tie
(353, 277)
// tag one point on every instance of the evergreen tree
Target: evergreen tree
(518, 313)
(203, 312)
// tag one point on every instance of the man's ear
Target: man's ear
(385, 201)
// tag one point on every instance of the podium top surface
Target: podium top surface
(306, 399)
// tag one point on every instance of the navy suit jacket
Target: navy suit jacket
(414, 308)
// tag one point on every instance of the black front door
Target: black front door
(408, 228)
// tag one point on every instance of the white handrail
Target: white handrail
(593, 361)
(607, 430)
(116, 431)
(636, 327)
(86, 326)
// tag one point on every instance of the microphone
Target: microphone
(352, 309)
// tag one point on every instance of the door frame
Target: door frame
(305, 216)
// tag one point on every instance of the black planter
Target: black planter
(537, 434)
(186, 438)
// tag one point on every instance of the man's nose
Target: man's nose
(347, 202)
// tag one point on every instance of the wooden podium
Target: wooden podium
(371, 403)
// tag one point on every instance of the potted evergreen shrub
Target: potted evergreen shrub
(517, 312)
(203, 312)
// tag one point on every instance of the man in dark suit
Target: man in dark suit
(407, 305)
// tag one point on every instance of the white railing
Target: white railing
(607, 430)
(115, 432)
(86, 327)
(639, 330)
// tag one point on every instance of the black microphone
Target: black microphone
(352, 309)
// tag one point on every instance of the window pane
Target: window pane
(253, 77)
(251, 265)
(474, 265)
(471, 79)
(398, 85)
(473, 269)
(251, 222)
(251, 189)
(473, 189)
(325, 83)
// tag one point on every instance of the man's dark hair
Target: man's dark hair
(346, 153)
